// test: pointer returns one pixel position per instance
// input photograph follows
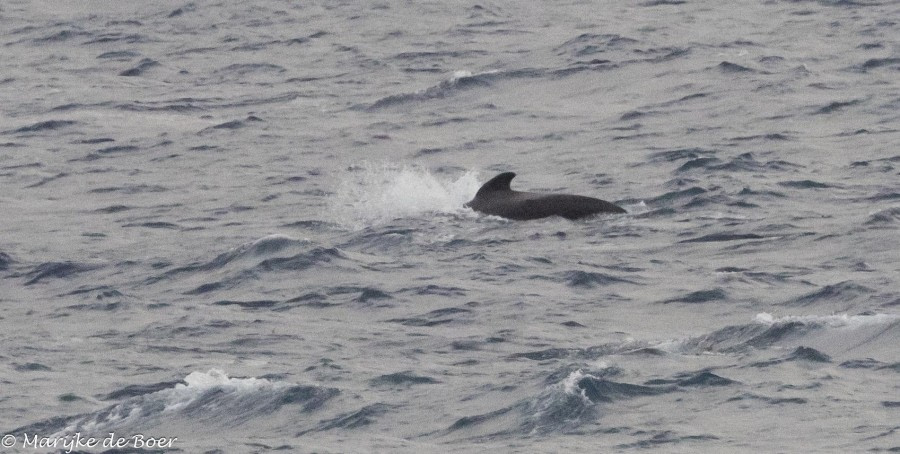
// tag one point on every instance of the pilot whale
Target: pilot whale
(496, 198)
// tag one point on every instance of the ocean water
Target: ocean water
(238, 227)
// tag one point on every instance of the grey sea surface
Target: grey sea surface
(241, 225)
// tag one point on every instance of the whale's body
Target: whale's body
(496, 198)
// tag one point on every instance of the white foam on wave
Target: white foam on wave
(834, 321)
(570, 383)
(197, 383)
(149, 409)
(671, 345)
(375, 194)
(459, 74)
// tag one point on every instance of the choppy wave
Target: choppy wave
(821, 332)
(205, 401)
(576, 402)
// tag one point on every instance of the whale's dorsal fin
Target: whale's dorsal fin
(498, 183)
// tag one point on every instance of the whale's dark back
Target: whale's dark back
(497, 198)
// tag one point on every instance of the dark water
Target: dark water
(241, 225)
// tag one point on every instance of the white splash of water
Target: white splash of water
(376, 194)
